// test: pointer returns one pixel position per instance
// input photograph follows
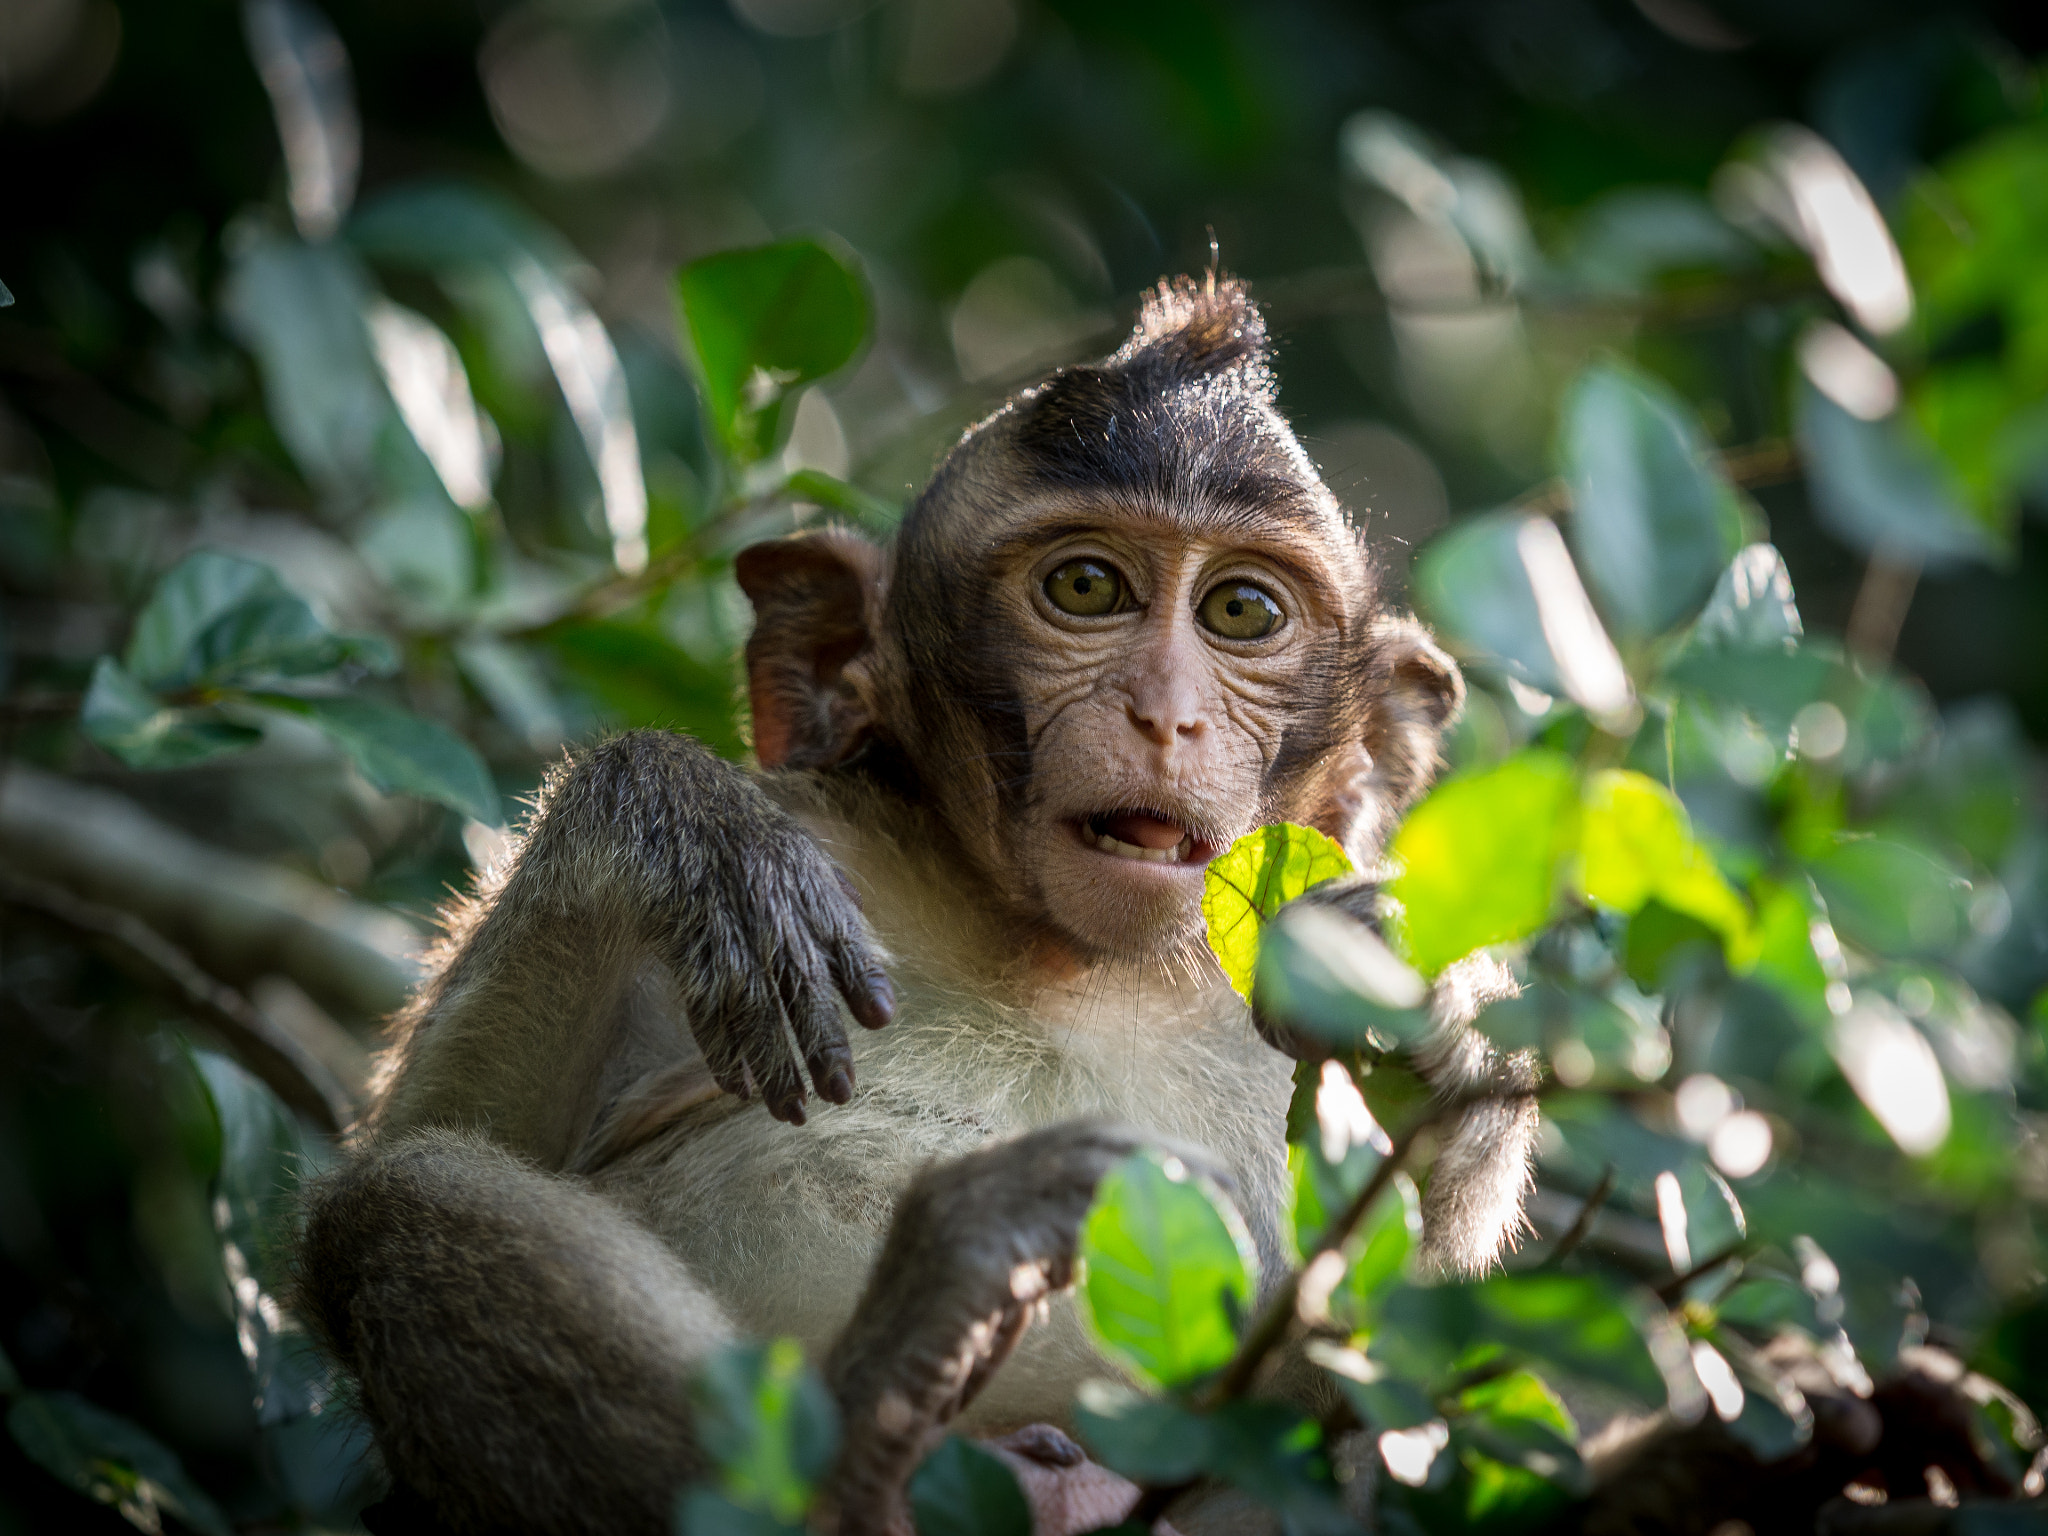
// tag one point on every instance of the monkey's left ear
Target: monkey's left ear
(817, 603)
(1423, 690)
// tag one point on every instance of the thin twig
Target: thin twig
(1768, 461)
(1674, 1288)
(286, 1066)
(1879, 612)
(1583, 1222)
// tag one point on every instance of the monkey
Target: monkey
(1123, 624)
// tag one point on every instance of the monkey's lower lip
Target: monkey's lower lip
(1143, 836)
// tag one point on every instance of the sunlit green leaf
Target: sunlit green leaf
(1517, 1420)
(1481, 858)
(1636, 844)
(399, 752)
(1653, 522)
(761, 323)
(1892, 898)
(963, 1490)
(1473, 587)
(111, 1460)
(1167, 1264)
(144, 732)
(768, 1423)
(1256, 876)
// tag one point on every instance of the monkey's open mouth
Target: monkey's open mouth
(1144, 835)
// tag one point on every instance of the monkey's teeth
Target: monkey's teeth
(1177, 854)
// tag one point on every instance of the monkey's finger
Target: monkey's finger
(747, 1017)
(857, 973)
(806, 992)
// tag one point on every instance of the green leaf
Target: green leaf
(639, 676)
(111, 1460)
(1168, 1264)
(1480, 859)
(1877, 488)
(1653, 522)
(299, 309)
(763, 322)
(706, 1512)
(1378, 1253)
(815, 485)
(398, 751)
(963, 1490)
(1334, 977)
(1256, 876)
(766, 1419)
(1891, 898)
(265, 1156)
(217, 618)
(1519, 1421)
(1473, 587)
(1636, 844)
(144, 732)
(1147, 1439)
(1752, 606)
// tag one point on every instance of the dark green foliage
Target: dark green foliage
(320, 522)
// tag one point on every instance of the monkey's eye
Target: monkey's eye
(1086, 588)
(1237, 610)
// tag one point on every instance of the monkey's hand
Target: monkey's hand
(762, 930)
(976, 1246)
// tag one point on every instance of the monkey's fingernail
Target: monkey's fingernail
(879, 1006)
(838, 1085)
(791, 1110)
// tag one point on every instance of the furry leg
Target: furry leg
(522, 1348)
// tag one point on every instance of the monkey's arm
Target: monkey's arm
(1472, 1205)
(646, 847)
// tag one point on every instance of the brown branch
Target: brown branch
(1769, 461)
(1582, 1224)
(1672, 1289)
(1879, 612)
(292, 1072)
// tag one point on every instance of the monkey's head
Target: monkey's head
(1125, 624)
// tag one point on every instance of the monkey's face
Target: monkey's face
(1172, 682)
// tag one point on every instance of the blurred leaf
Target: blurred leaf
(1256, 876)
(1637, 845)
(1168, 1266)
(963, 1490)
(815, 485)
(1633, 235)
(1875, 488)
(299, 308)
(1751, 608)
(1147, 1439)
(265, 1157)
(1519, 1422)
(769, 1423)
(1480, 858)
(1653, 523)
(1334, 977)
(399, 752)
(1473, 587)
(642, 677)
(111, 1460)
(143, 732)
(1379, 1251)
(762, 323)
(218, 618)
(1891, 898)
(705, 1512)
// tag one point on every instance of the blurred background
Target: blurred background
(353, 460)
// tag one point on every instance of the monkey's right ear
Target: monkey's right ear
(817, 604)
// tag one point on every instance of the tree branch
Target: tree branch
(292, 1072)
